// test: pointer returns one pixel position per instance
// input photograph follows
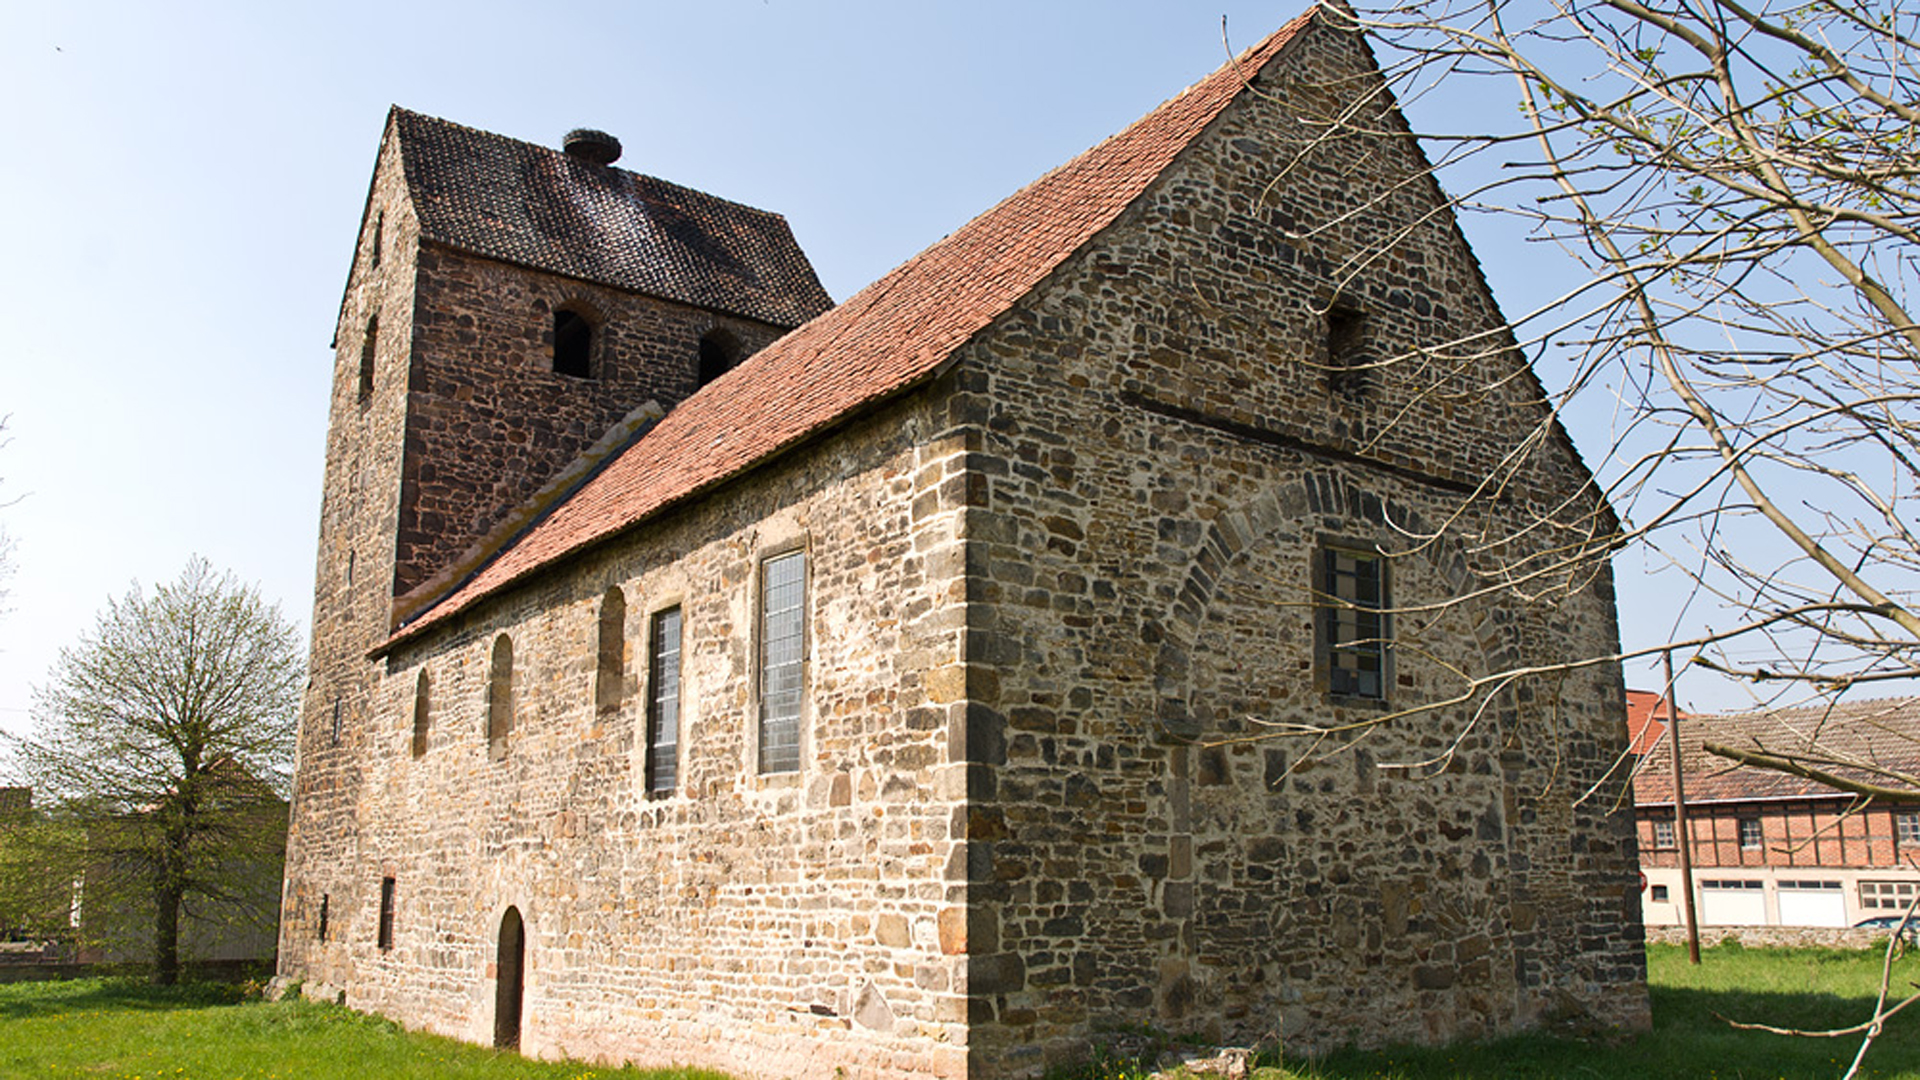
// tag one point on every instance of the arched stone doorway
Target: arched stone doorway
(511, 969)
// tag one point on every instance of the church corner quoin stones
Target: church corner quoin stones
(705, 673)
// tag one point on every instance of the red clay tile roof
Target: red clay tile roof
(890, 336)
(1883, 732)
(539, 207)
(1646, 720)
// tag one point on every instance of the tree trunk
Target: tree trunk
(166, 934)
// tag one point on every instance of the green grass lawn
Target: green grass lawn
(1793, 988)
(124, 1030)
(116, 1029)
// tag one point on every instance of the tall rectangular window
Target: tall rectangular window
(1750, 836)
(320, 931)
(386, 914)
(783, 602)
(1354, 622)
(1906, 828)
(663, 705)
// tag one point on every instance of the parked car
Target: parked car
(1909, 934)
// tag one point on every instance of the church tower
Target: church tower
(513, 314)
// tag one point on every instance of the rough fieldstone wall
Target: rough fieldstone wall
(769, 926)
(490, 421)
(353, 575)
(1159, 454)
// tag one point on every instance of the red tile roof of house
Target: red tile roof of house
(1646, 720)
(1883, 732)
(893, 335)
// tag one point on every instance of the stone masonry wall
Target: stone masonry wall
(764, 925)
(1159, 454)
(490, 420)
(353, 572)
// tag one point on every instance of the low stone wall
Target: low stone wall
(1832, 937)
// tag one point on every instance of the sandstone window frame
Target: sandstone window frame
(422, 713)
(1353, 650)
(781, 654)
(610, 651)
(499, 724)
(576, 334)
(665, 711)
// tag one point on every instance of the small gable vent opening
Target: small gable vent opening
(719, 354)
(572, 344)
(1349, 362)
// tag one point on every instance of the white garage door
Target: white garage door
(1733, 903)
(1812, 903)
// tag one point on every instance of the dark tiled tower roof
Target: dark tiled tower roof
(537, 207)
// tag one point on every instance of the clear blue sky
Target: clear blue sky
(180, 186)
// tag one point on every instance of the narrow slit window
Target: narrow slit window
(379, 235)
(385, 940)
(320, 929)
(783, 594)
(422, 716)
(610, 661)
(572, 344)
(1354, 623)
(663, 704)
(333, 735)
(369, 349)
(500, 697)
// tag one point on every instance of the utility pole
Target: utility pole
(1683, 836)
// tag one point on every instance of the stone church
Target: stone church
(706, 673)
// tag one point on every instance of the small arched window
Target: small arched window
(610, 672)
(572, 344)
(369, 346)
(500, 697)
(719, 354)
(421, 720)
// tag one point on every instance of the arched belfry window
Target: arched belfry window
(719, 354)
(610, 671)
(421, 716)
(500, 697)
(572, 344)
(369, 346)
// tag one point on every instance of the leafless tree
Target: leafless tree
(165, 737)
(1731, 193)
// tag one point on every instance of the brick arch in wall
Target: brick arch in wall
(1301, 504)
